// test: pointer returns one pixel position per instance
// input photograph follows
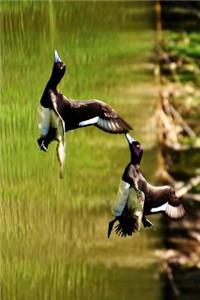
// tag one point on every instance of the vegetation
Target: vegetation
(53, 232)
(179, 54)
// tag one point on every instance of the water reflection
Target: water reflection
(53, 233)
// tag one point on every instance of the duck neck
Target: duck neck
(134, 160)
(55, 77)
(136, 166)
(53, 82)
(46, 98)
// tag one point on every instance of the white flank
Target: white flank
(159, 208)
(44, 120)
(121, 198)
(89, 122)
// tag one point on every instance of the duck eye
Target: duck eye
(60, 65)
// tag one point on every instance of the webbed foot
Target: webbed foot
(146, 222)
(42, 145)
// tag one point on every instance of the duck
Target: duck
(136, 198)
(59, 114)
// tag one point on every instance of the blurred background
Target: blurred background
(143, 58)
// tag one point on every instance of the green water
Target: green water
(53, 232)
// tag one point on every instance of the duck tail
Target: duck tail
(110, 226)
(127, 225)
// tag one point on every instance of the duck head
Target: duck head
(135, 149)
(58, 70)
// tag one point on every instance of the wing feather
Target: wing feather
(60, 134)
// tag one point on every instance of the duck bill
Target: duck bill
(130, 139)
(56, 57)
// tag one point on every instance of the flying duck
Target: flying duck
(137, 198)
(58, 114)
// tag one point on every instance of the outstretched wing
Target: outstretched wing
(104, 117)
(111, 122)
(171, 204)
(58, 123)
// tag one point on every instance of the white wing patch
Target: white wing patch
(159, 208)
(109, 125)
(44, 120)
(174, 212)
(89, 122)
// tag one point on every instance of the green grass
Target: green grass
(185, 46)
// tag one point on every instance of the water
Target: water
(53, 232)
